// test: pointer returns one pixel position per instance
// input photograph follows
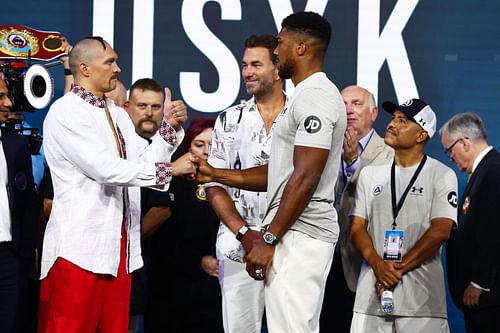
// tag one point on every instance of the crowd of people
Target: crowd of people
(283, 214)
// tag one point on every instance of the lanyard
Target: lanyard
(396, 207)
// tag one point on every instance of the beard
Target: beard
(285, 70)
(112, 83)
(264, 86)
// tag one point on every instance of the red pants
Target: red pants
(75, 300)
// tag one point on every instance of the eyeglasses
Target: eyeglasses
(448, 150)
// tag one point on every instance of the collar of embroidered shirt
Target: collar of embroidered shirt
(87, 96)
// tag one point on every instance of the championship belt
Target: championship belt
(21, 42)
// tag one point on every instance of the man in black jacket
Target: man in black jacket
(473, 251)
(18, 222)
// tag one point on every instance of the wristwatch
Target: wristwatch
(270, 238)
(243, 230)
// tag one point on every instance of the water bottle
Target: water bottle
(387, 302)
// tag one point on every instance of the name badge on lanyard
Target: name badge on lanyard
(393, 239)
(393, 245)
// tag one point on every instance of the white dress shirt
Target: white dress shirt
(5, 220)
(88, 178)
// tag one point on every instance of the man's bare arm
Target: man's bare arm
(428, 244)
(225, 209)
(308, 165)
(252, 179)
(153, 219)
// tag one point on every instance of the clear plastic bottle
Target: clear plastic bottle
(387, 302)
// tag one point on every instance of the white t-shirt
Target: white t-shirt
(316, 117)
(433, 195)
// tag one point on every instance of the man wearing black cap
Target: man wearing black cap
(404, 210)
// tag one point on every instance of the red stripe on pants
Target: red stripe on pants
(75, 300)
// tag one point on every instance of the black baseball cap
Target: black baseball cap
(418, 110)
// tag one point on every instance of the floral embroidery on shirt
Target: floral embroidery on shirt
(87, 96)
(168, 133)
(164, 173)
(122, 143)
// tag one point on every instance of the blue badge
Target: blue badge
(20, 181)
(393, 245)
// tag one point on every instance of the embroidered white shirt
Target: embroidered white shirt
(88, 175)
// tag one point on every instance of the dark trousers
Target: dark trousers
(336, 314)
(14, 278)
(482, 320)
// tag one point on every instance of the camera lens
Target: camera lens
(39, 86)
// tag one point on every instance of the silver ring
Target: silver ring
(258, 273)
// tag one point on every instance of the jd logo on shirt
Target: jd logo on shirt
(452, 199)
(312, 124)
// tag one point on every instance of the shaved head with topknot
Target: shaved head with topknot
(85, 51)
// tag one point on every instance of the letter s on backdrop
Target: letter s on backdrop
(218, 53)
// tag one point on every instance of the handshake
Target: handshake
(193, 168)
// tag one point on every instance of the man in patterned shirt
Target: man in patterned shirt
(242, 139)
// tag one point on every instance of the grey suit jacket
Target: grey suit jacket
(375, 150)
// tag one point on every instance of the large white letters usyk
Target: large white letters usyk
(216, 52)
(374, 49)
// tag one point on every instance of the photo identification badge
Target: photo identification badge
(393, 245)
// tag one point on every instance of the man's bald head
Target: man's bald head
(93, 64)
(86, 51)
(361, 109)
